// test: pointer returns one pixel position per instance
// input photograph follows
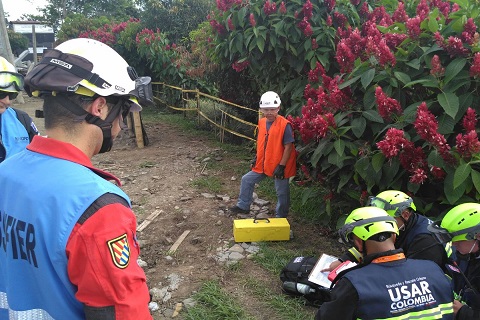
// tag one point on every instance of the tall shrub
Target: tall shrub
(390, 99)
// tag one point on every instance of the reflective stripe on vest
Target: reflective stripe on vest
(10, 314)
(436, 313)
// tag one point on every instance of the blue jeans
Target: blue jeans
(282, 187)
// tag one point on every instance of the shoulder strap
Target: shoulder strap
(26, 121)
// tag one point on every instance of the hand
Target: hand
(457, 305)
(332, 266)
(279, 172)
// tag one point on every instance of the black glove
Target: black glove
(254, 161)
(279, 172)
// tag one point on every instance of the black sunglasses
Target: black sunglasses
(11, 95)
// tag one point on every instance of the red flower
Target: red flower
(470, 120)
(413, 27)
(252, 20)
(283, 8)
(269, 7)
(475, 68)
(239, 66)
(423, 10)
(307, 10)
(468, 144)
(386, 106)
(437, 69)
(427, 126)
(393, 143)
(400, 15)
(438, 173)
(329, 4)
(419, 176)
(344, 57)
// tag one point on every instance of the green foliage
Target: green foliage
(18, 42)
(176, 17)
(401, 117)
(385, 98)
(58, 10)
(275, 51)
(76, 24)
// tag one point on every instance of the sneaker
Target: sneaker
(236, 209)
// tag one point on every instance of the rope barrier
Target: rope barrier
(183, 96)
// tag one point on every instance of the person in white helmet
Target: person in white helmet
(16, 127)
(68, 244)
(275, 157)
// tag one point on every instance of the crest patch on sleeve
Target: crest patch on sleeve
(120, 251)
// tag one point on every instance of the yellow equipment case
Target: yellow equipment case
(253, 230)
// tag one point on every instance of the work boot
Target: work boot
(236, 209)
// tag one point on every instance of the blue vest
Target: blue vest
(14, 135)
(417, 288)
(42, 200)
(421, 227)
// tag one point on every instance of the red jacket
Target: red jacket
(270, 148)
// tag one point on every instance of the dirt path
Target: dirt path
(159, 178)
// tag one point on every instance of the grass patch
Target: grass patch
(275, 255)
(285, 307)
(213, 304)
(208, 184)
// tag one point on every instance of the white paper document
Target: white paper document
(321, 278)
(318, 277)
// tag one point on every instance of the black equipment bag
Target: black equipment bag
(297, 272)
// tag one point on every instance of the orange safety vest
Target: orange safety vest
(270, 148)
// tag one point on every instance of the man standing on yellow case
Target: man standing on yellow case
(275, 157)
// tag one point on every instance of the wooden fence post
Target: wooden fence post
(138, 129)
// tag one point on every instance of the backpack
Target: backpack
(297, 271)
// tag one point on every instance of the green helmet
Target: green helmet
(392, 201)
(462, 222)
(366, 222)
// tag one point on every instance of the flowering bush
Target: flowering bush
(391, 98)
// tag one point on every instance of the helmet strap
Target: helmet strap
(474, 243)
(104, 125)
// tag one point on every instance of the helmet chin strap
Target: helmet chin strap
(104, 125)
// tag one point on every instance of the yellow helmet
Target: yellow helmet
(392, 201)
(367, 222)
(10, 80)
(462, 222)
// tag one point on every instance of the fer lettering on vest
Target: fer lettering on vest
(17, 238)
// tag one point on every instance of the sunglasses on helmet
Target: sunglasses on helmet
(10, 95)
(443, 236)
(9, 79)
(346, 231)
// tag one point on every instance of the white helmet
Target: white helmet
(270, 100)
(90, 64)
(10, 80)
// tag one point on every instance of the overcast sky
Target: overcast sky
(15, 8)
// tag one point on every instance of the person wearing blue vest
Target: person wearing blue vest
(16, 127)
(68, 245)
(385, 285)
(461, 226)
(414, 238)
